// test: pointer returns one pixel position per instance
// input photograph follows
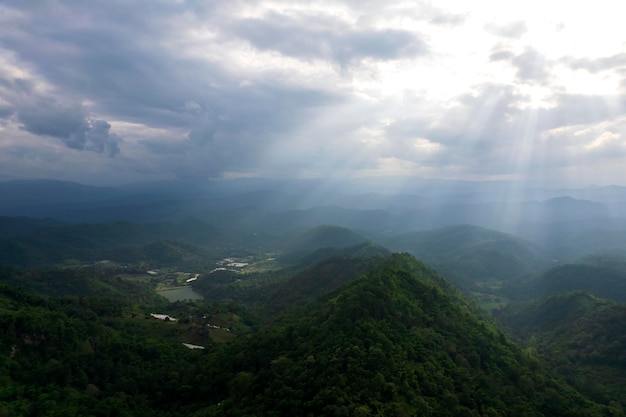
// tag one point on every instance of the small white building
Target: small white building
(238, 264)
(163, 317)
(190, 346)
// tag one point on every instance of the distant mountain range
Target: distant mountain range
(419, 205)
(541, 224)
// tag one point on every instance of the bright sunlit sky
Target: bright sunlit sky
(107, 92)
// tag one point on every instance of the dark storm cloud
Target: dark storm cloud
(108, 53)
(126, 75)
(326, 38)
(71, 124)
(6, 111)
(203, 88)
(232, 133)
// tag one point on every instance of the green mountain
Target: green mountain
(323, 277)
(582, 336)
(397, 341)
(394, 338)
(361, 250)
(255, 220)
(300, 245)
(276, 292)
(119, 241)
(603, 276)
(324, 236)
(468, 254)
(90, 281)
(17, 226)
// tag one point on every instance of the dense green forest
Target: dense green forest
(315, 322)
(604, 276)
(581, 336)
(397, 341)
(394, 339)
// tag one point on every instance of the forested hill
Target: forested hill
(603, 276)
(397, 342)
(468, 254)
(582, 336)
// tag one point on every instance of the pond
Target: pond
(180, 294)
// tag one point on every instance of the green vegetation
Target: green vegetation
(603, 276)
(324, 237)
(582, 336)
(334, 326)
(398, 341)
(388, 337)
(470, 255)
(98, 280)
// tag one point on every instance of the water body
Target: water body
(180, 294)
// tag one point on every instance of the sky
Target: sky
(118, 91)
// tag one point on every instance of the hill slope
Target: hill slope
(582, 336)
(468, 254)
(398, 341)
(603, 276)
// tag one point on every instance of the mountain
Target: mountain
(362, 250)
(571, 239)
(336, 268)
(45, 198)
(31, 193)
(324, 236)
(18, 226)
(397, 341)
(255, 220)
(468, 254)
(92, 281)
(306, 277)
(374, 205)
(582, 336)
(603, 276)
(390, 337)
(93, 242)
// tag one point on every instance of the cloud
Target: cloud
(596, 65)
(513, 30)
(493, 131)
(531, 65)
(500, 55)
(437, 16)
(235, 134)
(471, 136)
(292, 88)
(71, 124)
(328, 38)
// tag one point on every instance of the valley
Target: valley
(301, 315)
